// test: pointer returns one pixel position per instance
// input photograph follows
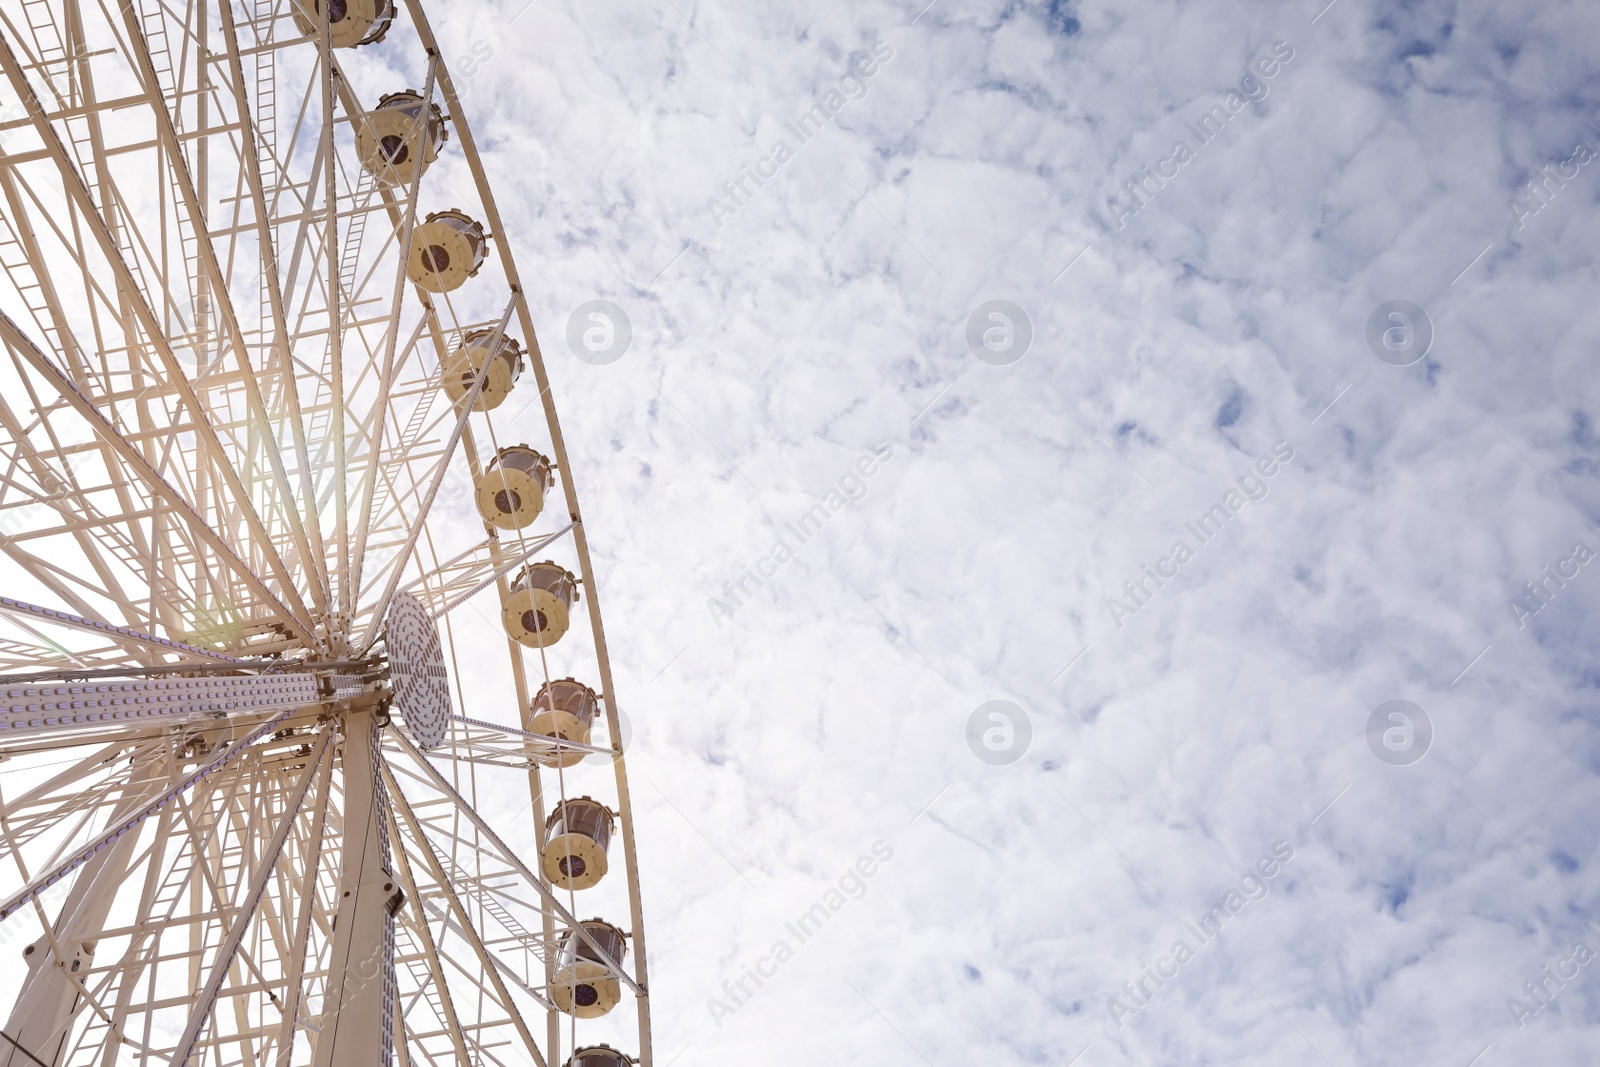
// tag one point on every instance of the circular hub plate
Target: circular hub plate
(416, 667)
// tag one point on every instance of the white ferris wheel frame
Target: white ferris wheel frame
(197, 519)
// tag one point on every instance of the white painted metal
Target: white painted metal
(206, 1001)
(78, 622)
(227, 460)
(34, 709)
(358, 1005)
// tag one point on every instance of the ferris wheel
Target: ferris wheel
(306, 754)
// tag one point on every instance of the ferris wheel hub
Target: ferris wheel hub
(417, 670)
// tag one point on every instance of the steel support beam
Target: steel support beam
(357, 1011)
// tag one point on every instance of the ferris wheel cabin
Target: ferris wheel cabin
(576, 837)
(351, 23)
(461, 370)
(599, 1056)
(564, 709)
(397, 134)
(538, 611)
(584, 985)
(446, 249)
(510, 491)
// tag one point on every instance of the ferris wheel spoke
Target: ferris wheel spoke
(129, 968)
(194, 833)
(442, 1002)
(402, 476)
(80, 112)
(224, 958)
(212, 273)
(59, 574)
(46, 1008)
(480, 875)
(21, 344)
(472, 1034)
(81, 855)
(464, 409)
(265, 240)
(499, 563)
(329, 79)
(464, 925)
(310, 853)
(57, 487)
(215, 274)
(53, 652)
(109, 543)
(506, 855)
(391, 336)
(15, 654)
(44, 806)
(366, 197)
(387, 497)
(77, 95)
(95, 536)
(507, 972)
(57, 745)
(130, 639)
(37, 286)
(78, 193)
(492, 745)
(446, 586)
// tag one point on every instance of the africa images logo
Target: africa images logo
(851, 488)
(1252, 89)
(1253, 488)
(852, 87)
(1253, 886)
(851, 885)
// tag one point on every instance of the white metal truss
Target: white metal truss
(225, 446)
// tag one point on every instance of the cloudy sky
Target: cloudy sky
(1234, 310)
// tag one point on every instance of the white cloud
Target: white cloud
(832, 310)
